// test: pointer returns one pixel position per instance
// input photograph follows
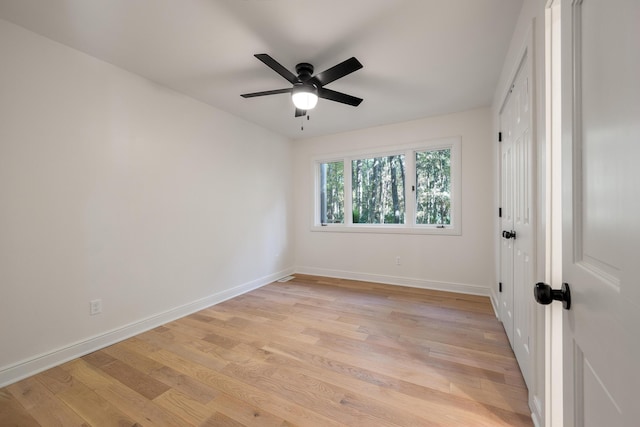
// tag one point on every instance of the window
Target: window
(433, 187)
(407, 189)
(377, 188)
(332, 192)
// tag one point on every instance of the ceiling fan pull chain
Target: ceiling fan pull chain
(302, 121)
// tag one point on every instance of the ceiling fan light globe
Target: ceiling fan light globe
(305, 97)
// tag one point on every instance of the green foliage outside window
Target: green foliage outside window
(378, 190)
(433, 187)
(332, 193)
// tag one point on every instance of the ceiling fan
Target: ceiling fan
(307, 88)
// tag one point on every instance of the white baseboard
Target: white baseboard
(26, 368)
(461, 288)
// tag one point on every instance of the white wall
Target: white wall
(116, 188)
(462, 263)
(529, 30)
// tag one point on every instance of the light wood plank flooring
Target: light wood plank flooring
(309, 352)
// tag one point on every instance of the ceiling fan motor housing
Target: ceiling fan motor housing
(304, 70)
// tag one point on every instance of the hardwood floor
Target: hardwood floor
(309, 352)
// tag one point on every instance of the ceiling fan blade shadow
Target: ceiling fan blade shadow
(277, 67)
(337, 71)
(300, 112)
(343, 98)
(266, 92)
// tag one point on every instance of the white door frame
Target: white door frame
(553, 373)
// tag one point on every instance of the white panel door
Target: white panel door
(507, 219)
(517, 263)
(601, 211)
(523, 264)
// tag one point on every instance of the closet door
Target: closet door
(517, 240)
(507, 218)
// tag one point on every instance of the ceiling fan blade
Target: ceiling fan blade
(266, 92)
(300, 112)
(337, 71)
(343, 98)
(277, 67)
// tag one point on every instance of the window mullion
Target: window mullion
(410, 191)
(348, 193)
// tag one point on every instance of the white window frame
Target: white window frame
(410, 226)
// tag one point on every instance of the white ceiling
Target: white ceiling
(421, 57)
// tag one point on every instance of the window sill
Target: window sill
(386, 229)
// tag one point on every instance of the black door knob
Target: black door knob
(509, 234)
(545, 295)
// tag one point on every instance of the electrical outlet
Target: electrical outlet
(397, 260)
(95, 307)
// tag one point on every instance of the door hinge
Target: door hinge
(499, 136)
(499, 212)
(499, 286)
